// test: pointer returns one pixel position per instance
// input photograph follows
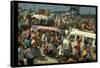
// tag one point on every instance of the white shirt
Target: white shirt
(61, 50)
(65, 44)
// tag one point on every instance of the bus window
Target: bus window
(88, 40)
(79, 37)
(72, 37)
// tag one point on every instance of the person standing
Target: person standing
(26, 36)
(61, 50)
(78, 47)
(21, 54)
(30, 54)
(89, 49)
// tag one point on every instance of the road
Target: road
(48, 60)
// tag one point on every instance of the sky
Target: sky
(83, 10)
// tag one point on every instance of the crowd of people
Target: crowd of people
(63, 20)
(34, 43)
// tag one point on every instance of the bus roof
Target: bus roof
(86, 34)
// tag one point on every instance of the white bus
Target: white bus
(84, 36)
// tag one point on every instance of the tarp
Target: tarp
(45, 28)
